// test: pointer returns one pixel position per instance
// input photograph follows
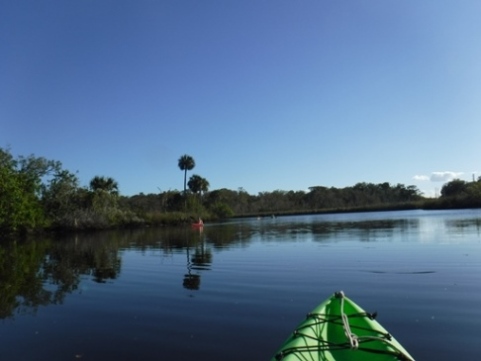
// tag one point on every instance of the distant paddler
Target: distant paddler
(199, 223)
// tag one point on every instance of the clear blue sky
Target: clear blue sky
(263, 94)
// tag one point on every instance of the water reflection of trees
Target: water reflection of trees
(191, 280)
(199, 261)
(21, 287)
(268, 230)
(41, 272)
(365, 230)
(44, 271)
(89, 256)
(464, 223)
(223, 236)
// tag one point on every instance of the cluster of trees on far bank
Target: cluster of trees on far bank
(459, 194)
(38, 194)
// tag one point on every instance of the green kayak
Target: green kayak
(338, 329)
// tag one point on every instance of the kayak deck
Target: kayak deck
(338, 329)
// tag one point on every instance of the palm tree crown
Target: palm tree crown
(106, 184)
(197, 184)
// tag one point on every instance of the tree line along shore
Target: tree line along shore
(37, 194)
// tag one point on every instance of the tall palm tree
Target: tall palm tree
(186, 162)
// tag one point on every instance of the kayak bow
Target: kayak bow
(338, 329)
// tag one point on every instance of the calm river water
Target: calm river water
(236, 290)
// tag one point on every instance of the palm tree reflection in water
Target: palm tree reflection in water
(199, 261)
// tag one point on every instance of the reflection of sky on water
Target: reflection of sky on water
(406, 226)
(449, 226)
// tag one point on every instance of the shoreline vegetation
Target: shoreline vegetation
(38, 195)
